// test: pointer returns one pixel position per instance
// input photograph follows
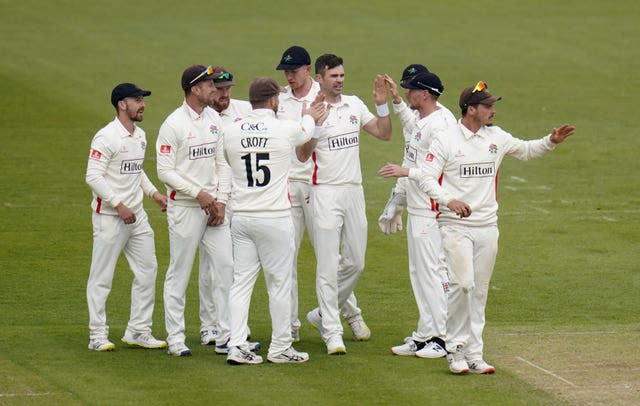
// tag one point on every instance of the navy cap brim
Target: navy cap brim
(284, 66)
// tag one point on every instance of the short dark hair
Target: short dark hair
(327, 61)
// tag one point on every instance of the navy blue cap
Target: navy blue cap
(425, 81)
(293, 58)
(126, 90)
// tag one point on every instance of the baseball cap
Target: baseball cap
(195, 74)
(293, 58)
(126, 90)
(412, 70)
(477, 94)
(222, 77)
(425, 81)
(263, 88)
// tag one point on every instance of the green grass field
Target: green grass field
(563, 322)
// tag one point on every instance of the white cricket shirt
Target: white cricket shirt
(114, 170)
(190, 156)
(290, 107)
(468, 164)
(336, 158)
(258, 150)
(421, 133)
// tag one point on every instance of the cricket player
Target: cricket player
(390, 221)
(427, 270)
(466, 157)
(301, 89)
(191, 163)
(229, 110)
(258, 150)
(337, 201)
(118, 182)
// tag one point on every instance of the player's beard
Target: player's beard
(137, 115)
(221, 104)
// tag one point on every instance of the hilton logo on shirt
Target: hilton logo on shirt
(477, 170)
(130, 167)
(410, 153)
(342, 141)
(202, 151)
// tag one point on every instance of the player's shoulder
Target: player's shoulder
(241, 105)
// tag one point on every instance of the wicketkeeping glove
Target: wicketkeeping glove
(390, 221)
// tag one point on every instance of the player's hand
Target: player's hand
(318, 111)
(460, 208)
(207, 202)
(126, 214)
(217, 218)
(393, 88)
(390, 221)
(560, 134)
(161, 200)
(379, 90)
(392, 170)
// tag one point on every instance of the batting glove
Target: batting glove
(390, 221)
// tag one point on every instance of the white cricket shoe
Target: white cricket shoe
(335, 346)
(315, 319)
(359, 328)
(144, 340)
(457, 362)
(479, 366)
(250, 345)
(208, 337)
(432, 349)
(409, 347)
(290, 355)
(179, 350)
(238, 356)
(101, 344)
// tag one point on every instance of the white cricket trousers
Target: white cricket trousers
(471, 255)
(340, 240)
(267, 243)
(300, 194)
(428, 276)
(206, 285)
(111, 236)
(187, 230)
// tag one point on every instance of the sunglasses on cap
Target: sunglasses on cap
(207, 72)
(480, 86)
(223, 76)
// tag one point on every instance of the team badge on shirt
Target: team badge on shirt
(213, 129)
(418, 136)
(165, 149)
(95, 154)
(429, 157)
(353, 119)
(143, 145)
(493, 149)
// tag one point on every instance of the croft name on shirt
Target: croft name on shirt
(477, 170)
(249, 142)
(202, 151)
(131, 166)
(343, 141)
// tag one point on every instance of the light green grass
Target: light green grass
(565, 289)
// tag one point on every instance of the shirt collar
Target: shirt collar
(482, 132)
(263, 113)
(191, 112)
(315, 88)
(123, 131)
